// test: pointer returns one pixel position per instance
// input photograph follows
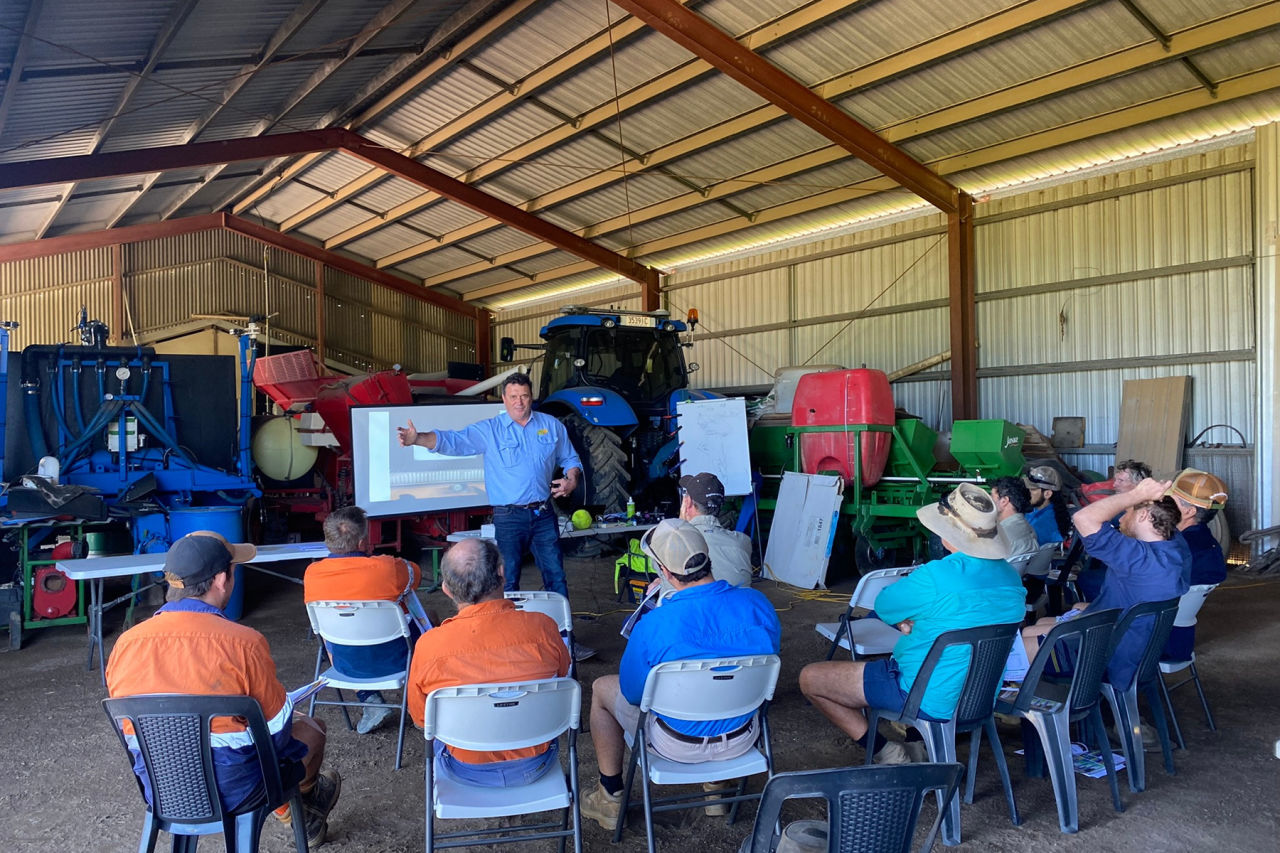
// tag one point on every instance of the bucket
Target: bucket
(227, 520)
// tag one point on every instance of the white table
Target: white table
(96, 570)
(611, 529)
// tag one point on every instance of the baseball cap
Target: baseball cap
(705, 489)
(1199, 488)
(677, 545)
(198, 556)
(1043, 477)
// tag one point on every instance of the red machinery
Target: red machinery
(837, 398)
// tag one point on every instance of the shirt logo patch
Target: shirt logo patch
(542, 432)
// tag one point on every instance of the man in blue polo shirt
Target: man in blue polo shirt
(703, 618)
(522, 448)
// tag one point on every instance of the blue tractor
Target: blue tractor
(613, 378)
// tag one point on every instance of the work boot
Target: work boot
(318, 802)
(373, 716)
(581, 652)
(602, 807)
(892, 753)
(718, 809)
(917, 752)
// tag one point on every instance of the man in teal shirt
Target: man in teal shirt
(972, 586)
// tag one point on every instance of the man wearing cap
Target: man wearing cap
(1198, 495)
(489, 640)
(1146, 561)
(1048, 516)
(704, 618)
(701, 496)
(972, 586)
(522, 448)
(190, 647)
(351, 573)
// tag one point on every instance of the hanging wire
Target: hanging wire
(617, 111)
(724, 341)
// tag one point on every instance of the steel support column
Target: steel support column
(650, 295)
(964, 338)
(706, 41)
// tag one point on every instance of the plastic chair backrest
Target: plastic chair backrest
(1089, 639)
(713, 689)
(1038, 563)
(872, 583)
(552, 604)
(871, 809)
(358, 623)
(1161, 614)
(1190, 603)
(987, 648)
(172, 733)
(488, 717)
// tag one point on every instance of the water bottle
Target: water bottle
(631, 511)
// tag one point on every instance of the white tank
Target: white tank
(278, 450)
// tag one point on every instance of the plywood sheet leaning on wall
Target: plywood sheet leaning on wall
(1153, 422)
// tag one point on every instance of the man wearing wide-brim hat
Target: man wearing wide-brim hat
(972, 586)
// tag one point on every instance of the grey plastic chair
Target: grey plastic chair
(987, 649)
(869, 809)
(172, 734)
(1123, 699)
(1049, 707)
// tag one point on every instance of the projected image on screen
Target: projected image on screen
(395, 480)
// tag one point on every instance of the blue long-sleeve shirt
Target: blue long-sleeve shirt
(519, 461)
(955, 592)
(712, 620)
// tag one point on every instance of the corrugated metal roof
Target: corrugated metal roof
(65, 93)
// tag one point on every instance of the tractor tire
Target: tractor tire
(604, 465)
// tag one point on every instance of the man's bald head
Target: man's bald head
(472, 571)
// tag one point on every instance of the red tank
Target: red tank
(843, 397)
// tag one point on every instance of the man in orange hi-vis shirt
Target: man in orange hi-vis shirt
(350, 573)
(488, 641)
(189, 646)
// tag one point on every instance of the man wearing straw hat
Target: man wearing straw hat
(972, 586)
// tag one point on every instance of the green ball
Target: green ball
(581, 519)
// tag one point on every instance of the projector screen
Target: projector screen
(395, 480)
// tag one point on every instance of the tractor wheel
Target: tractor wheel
(604, 465)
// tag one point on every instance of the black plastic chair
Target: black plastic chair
(1049, 707)
(172, 734)
(870, 809)
(1123, 698)
(987, 649)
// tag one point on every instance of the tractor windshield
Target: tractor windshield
(640, 364)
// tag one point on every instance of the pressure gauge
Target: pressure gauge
(122, 373)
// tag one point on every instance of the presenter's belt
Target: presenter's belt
(535, 505)
(684, 738)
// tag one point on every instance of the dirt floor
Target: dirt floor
(67, 786)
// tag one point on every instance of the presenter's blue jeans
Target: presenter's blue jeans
(520, 530)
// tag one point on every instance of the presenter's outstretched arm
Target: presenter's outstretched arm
(410, 436)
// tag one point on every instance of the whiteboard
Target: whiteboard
(713, 439)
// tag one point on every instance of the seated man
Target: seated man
(701, 496)
(1048, 516)
(704, 618)
(1013, 502)
(190, 647)
(972, 586)
(350, 573)
(488, 641)
(1146, 561)
(1128, 474)
(1198, 496)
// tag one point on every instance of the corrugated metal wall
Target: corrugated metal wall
(169, 281)
(1080, 285)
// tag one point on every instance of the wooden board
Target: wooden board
(1153, 422)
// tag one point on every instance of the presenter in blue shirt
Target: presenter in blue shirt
(522, 448)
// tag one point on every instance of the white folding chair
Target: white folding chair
(554, 605)
(864, 637)
(715, 689)
(489, 717)
(361, 623)
(1188, 609)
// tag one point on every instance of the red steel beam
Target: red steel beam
(699, 36)
(964, 335)
(438, 182)
(98, 239)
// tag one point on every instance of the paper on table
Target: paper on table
(306, 691)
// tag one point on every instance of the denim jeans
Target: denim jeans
(500, 774)
(520, 530)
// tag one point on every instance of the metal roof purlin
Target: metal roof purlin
(19, 60)
(696, 34)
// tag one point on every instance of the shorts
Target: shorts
(882, 688)
(670, 747)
